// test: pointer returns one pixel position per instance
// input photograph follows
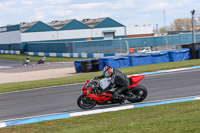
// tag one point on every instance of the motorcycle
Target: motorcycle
(92, 92)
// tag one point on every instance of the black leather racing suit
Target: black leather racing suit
(118, 79)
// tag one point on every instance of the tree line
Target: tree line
(184, 24)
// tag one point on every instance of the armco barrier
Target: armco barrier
(79, 55)
(180, 55)
(160, 57)
(9, 52)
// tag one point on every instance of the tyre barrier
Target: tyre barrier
(86, 66)
(95, 65)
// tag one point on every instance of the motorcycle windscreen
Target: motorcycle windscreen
(105, 83)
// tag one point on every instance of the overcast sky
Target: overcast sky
(127, 12)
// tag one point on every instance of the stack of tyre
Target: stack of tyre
(90, 65)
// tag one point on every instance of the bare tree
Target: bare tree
(182, 24)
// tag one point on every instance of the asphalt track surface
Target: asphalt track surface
(62, 99)
(17, 66)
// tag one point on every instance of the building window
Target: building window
(108, 35)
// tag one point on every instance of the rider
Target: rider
(118, 79)
(26, 61)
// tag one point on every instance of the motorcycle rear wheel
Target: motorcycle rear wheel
(137, 94)
(86, 102)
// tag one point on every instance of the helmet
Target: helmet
(107, 71)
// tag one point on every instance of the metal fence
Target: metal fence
(120, 45)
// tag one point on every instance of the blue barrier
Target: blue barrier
(102, 62)
(199, 52)
(139, 59)
(180, 55)
(160, 57)
(77, 65)
(117, 62)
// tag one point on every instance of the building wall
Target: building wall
(39, 36)
(10, 34)
(10, 37)
(70, 34)
(98, 32)
(73, 34)
(137, 30)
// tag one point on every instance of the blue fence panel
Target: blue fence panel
(160, 57)
(15, 46)
(185, 38)
(199, 52)
(4, 46)
(170, 40)
(158, 41)
(197, 37)
(140, 59)
(48, 47)
(180, 55)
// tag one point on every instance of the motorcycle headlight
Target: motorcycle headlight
(88, 85)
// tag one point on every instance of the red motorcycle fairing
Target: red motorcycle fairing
(134, 80)
(98, 97)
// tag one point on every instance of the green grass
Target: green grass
(170, 118)
(7, 87)
(36, 58)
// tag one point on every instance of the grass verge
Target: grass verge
(170, 118)
(36, 58)
(84, 76)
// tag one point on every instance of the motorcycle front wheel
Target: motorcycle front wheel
(86, 102)
(137, 94)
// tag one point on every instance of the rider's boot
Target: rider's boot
(122, 99)
(116, 95)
